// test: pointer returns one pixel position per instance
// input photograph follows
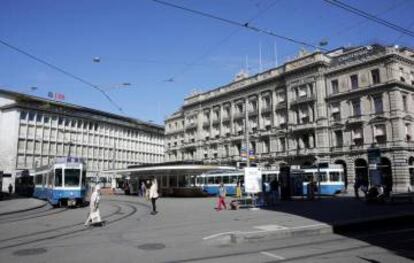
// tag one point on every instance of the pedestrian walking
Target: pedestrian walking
(357, 185)
(153, 195)
(94, 216)
(311, 187)
(143, 189)
(274, 188)
(147, 190)
(221, 197)
(238, 190)
(10, 189)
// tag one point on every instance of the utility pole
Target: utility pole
(246, 133)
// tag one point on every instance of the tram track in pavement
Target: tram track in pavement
(18, 217)
(74, 227)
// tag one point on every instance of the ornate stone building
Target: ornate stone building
(321, 107)
(34, 131)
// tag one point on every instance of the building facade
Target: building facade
(34, 131)
(331, 106)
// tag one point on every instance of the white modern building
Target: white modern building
(34, 131)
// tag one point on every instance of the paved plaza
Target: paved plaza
(191, 230)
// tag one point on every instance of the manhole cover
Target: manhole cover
(30, 251)
(151, 246)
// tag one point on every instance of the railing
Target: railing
(238, 115)
(304, 99)
(266, 109)
(281, 105)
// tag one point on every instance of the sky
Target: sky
(166, 53)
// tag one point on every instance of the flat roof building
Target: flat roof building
(34, 131)
(338, 107)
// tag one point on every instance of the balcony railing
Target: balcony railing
(238, 115)
(266, 109)
(253, 112)
(191, 126)
(226, 118)
(281, 105)
(304, 99)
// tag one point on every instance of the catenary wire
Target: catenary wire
(352, 26)
(371, 17)
(239, 24)
(65, 72)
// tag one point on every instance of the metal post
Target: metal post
(246, 133)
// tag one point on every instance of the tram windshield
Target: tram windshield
(72, 177)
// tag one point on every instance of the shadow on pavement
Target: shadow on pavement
(390, 226)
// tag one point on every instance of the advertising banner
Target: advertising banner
(252, 180)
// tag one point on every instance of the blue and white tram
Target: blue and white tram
(63, 183)
(330, 180)
(209, 182)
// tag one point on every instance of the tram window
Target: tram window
(226, 180)
(58, 177)
(83, 177)
(233, 179)
(72, 177)
(50, 179)
(323, 177)
(307, 177)
(334, 177)
(173, 181)
(210, 180)
(38, 179)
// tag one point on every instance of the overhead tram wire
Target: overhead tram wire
(371, 17)
(222, 41)
(352, 26)
(64, 72)
(243, 25)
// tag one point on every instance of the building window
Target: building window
(412, 77)
(375, 76)
(354, 81)
(282, 144)
(358, 137)
(336, 114)
(31, 116)
(356, 107)
(405, 105)
(408, 132)
(266, 146)
(402, 75)
(281, 96)
(378, 105)
(23, 115)
(339, 140)
(335, 86)
(380, 135)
